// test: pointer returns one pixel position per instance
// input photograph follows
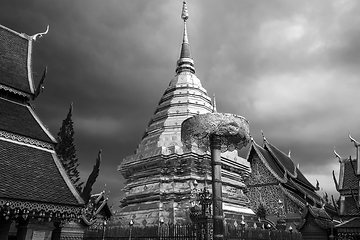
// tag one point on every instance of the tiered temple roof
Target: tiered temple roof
(348, 186)
(286, 175)
(33, 183)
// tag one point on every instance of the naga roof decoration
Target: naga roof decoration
(96, 204)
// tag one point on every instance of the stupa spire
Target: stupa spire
(185, 62)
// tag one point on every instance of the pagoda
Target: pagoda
(162, 174)
(35, 191)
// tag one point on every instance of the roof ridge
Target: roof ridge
(301, 188)
(292, 174)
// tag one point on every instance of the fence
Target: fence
(175, 232)
(184, 232)
(232, 233)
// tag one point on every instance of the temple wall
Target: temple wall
(163, 191)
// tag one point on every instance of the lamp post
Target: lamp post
(131, 223)
(161, 223)
(290, 230)
(281, 222)
(219, 132)
(104, 229)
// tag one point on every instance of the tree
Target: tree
(92, 178)
(66, 151)
(261, 211)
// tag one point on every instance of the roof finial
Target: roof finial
(214, 103)
(33, 37)
(356, 143)
(289, 154)
(337, 155)
(262, 133)
(185, 63)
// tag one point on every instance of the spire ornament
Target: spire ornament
(184, 13)
(185, 62)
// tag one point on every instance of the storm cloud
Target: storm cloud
(290, 67)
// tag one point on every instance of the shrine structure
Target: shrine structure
(348, 186)
(279, 191)
(35, 191)
(160, 176)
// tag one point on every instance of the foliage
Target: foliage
(66, 151)
(92, 178)
(261, 211)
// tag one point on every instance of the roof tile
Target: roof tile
(31, 174)
(350, 180)
(18, 119)
(14, 60)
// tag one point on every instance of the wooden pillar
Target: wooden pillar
(4, 229)
(218, 217)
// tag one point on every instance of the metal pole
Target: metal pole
(218, 217)
(131, 223)
(104, 229)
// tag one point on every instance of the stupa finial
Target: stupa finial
(185, 62)
(184, 13)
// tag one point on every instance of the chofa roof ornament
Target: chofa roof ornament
(33, 37)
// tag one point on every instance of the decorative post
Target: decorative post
(104, 229)
(219, 132)
(281, 223)
(131, 223)
(218, 215)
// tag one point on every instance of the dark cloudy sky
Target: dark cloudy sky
(290, 67)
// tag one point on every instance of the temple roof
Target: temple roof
(15, 59)
(321, 217)
(34, 174)
(20, 119)
(350, 181)
(284, 170)
(32, 180)
(279, 164)
(268, 160)
(353, 223)
(281, 158)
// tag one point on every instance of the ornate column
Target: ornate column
(219, 132)
(218, 215)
